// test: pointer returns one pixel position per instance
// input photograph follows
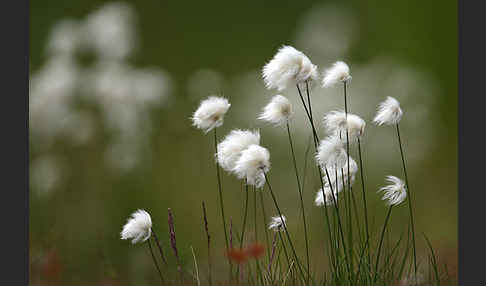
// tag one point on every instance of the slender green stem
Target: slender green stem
(221, 204)
(284, 248)
(381, 242)
(244, 217)
(309, 116)
(339, 219)
(349, 179)
(285, 227)
(265, 223)
(364, 196)
(155, 262)
(159, 246)
(409, 194)
(301, 200)
(220, 190)
(242, 238)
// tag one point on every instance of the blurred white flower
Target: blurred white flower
(46, 173)
(277, 223)
(288, 68)
(138, 227)
(64, 38)
(229, 150)
(331, 153)
(389, 112)
(210, 113)
(395, 193)
(252, 164)
(335, 123)
(339, 72)
(110, 31)
(278, 111)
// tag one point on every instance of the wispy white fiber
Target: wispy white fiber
(278, 111)
(138, 227)
(277, 223)
(210, 113)
(395, 193)
(335, 123)
(389, 112)
(252, 164)
(319, 200)
(229, 150)
(288, 68)
(331, 153)
(339, 72)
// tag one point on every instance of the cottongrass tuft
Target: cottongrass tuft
(229, 150)
(389, 112)
(319, 200)
(395, 193)
(288, 67)
(277, 223)
(138, 227)
(210, 113)
(278, 111)
(331, 153)
(252, 164)
(339, 72)
(336, 124)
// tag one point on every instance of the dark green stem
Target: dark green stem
(364, 196)
(381, 242)
(155, 262)
(301, 200)
(285, 227)
(409, 194)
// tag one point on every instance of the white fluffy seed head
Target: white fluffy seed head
(319, 201)
(331, 153)
(138, 227)
(335, 123)
(229, 150)
(340, 173)
(395, 193)
(288, 68)
(210, 113)
(277, 223)
(389, 112)
(339, 72)
(278, 111)
(252, 165)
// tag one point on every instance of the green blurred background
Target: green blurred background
(95, 157)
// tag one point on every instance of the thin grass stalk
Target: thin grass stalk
(409, 195)
(242, 237)
(264, 223)
(206, 228)
(381, 242)
(349, 180)
(364, 195)
(173, 242)
(221, 203)
(301, 199)
(339, 219)
(274, 246)
(285, 226)
(155, 262)
(284, 249)
(195, 267)
(256, 229)
(159, 247)
(316, 142)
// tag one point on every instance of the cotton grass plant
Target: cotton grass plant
(355, 256)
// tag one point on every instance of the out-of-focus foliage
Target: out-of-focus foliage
(113, 84)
